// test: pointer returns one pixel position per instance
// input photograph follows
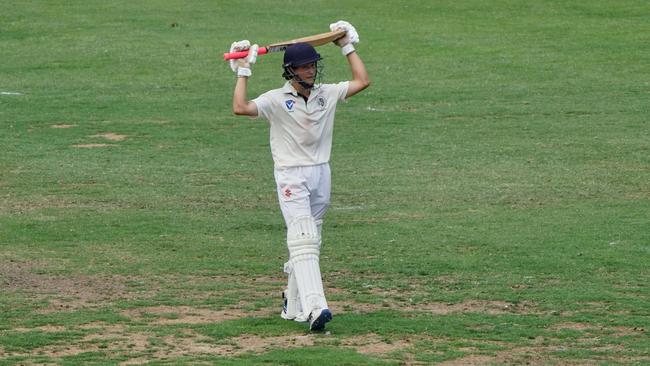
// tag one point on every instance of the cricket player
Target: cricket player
(301, 117)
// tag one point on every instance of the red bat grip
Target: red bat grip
(242, 54)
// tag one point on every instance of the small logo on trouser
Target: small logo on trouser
(287, 193)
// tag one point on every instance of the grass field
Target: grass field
(491, 194)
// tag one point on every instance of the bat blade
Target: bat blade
(315, 40)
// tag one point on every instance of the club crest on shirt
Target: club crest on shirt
(289, 103)
(321, 101)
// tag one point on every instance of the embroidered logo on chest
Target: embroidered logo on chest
(289, 103)
(321, 101)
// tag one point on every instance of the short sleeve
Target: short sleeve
(263, 103)
(342, 90)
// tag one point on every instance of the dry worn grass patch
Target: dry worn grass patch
(66, 292)
(110, 136)
(139, 345)
(373, 344)
(90, 146)
(174, 315)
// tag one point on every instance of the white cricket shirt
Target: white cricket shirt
(301, 132)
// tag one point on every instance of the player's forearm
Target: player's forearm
(239, 98)
(360, 79)
(359, 72)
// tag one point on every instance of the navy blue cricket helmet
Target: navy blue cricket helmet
(299, 54)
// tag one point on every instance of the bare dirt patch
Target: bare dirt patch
(44, 328)
(65, 292)
(470, 360)
(546, 355)
(119, 340)
(436, 308)
(173, 315)
(396, 295)
(373, 344)
(527, 355)
(115, 340)
(474, 306)
(110, 136)
(627, 331)
(90, 146)
(189, 343)
(256, 344)
(63, 125)
(572, 326)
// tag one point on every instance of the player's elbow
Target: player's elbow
(241, 109)
(363, 80)
(238, 111)
(365, 83)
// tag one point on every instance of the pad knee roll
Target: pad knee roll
(303, 237)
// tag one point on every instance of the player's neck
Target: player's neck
(305, 93)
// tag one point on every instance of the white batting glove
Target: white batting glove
(242, 66)
(349, 40)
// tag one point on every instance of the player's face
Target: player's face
(306, 72)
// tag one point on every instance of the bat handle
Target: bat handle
(242, 54)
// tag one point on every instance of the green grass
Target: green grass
(490, 199)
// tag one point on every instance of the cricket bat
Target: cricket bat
(315, 40)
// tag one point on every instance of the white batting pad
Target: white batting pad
(292, 309)
(319, 225)
(303, 242)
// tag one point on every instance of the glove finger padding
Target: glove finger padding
(240, 46)
(351, 35)
(252, 54)
(235, 47)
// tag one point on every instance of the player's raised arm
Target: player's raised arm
(360, 79)
(240, 103)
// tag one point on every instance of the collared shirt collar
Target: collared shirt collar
(289, 89)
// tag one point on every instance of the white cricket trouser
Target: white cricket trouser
(304, 190)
